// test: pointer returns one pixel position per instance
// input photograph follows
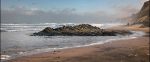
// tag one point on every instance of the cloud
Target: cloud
(35, 15)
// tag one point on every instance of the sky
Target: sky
(67, 11)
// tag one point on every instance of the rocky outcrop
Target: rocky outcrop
(143, 17)
(78, 30)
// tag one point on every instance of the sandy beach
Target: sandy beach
(131, 50)
(75, 31)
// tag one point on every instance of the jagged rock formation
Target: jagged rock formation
(143, 16)
(79, 30)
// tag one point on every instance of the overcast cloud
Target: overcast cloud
(23, 14)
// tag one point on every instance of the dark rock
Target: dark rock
(78, 30)
(48, 29)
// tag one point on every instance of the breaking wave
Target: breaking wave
(40, 26)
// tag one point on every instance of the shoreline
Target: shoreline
(39, 51)
(79, 51)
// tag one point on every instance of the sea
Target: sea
(17, 42)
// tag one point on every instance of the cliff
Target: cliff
(143, 17)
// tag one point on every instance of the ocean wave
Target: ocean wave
(5, 57)
(40, 26)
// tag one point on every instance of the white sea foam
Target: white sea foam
(5, 57)
(40, 26)
(107, 25)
